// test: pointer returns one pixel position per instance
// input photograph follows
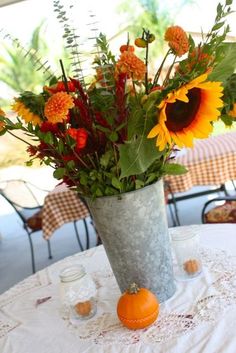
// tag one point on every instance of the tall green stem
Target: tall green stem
(169, 71)
(19, 138)
(146, 64)
(156, 78)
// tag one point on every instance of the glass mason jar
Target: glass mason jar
(186, 250)
(77, 293)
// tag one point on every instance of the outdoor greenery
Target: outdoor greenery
(150, 14)
(18, 63)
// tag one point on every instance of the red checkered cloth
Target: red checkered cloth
(62, 205)
(212, 161)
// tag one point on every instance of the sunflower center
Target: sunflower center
(180, 114)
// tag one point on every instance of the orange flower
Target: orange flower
(126, 47)
(178, 40)
(197, 56)
(80, 136)
(2, 124)
(60, 87)
(130, 65)
(233, 111)
(57, 107)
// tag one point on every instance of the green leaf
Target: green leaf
(174, 169)
(116, 183)
(60, 146)
(227, 120)
(113, 136)
(48, 138)
(139, 184)
(135, 123)
(137, 156)
(218, 26)
(105, 159)
(71, 165)
(59, 173)
(227, 66)
(29, 163)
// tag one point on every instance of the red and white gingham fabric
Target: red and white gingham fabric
(212, 161)
(62, 205)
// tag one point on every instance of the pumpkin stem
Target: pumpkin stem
(133, 288)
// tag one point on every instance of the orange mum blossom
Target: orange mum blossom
(130, 65)
(177, 40)
(57, 107)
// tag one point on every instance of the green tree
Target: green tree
(20, 65)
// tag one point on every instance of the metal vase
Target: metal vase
(134, 231)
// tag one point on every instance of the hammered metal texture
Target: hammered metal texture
(134, 231)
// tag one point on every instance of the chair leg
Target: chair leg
(49, 250)
(77, 236)
(32, 251)
(87, 234)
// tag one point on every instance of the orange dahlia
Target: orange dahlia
(25, 113)
(2, 124)
(177, 40)
(57, 107)
(130, 65)
(187, 113)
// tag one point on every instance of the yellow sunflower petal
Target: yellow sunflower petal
(197, 104)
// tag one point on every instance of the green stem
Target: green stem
(146, 74)
(156, 78)
(169, 71)
(116, 160)
(19, 138)
(92, 162)
(81, 160)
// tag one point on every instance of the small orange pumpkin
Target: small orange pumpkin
(137, 307)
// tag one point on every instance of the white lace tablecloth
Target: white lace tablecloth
(199, 318)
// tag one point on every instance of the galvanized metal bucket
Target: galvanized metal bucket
(134, 231)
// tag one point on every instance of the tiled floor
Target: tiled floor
(15, 263)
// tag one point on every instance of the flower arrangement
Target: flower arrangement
(118, 131)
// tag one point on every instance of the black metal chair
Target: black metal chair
(224, 213)
(27, 200)
(171, 203)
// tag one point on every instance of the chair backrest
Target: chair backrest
(23, 196)
(223, 213)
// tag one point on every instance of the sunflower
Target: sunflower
(187, 113)
(25, 113)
